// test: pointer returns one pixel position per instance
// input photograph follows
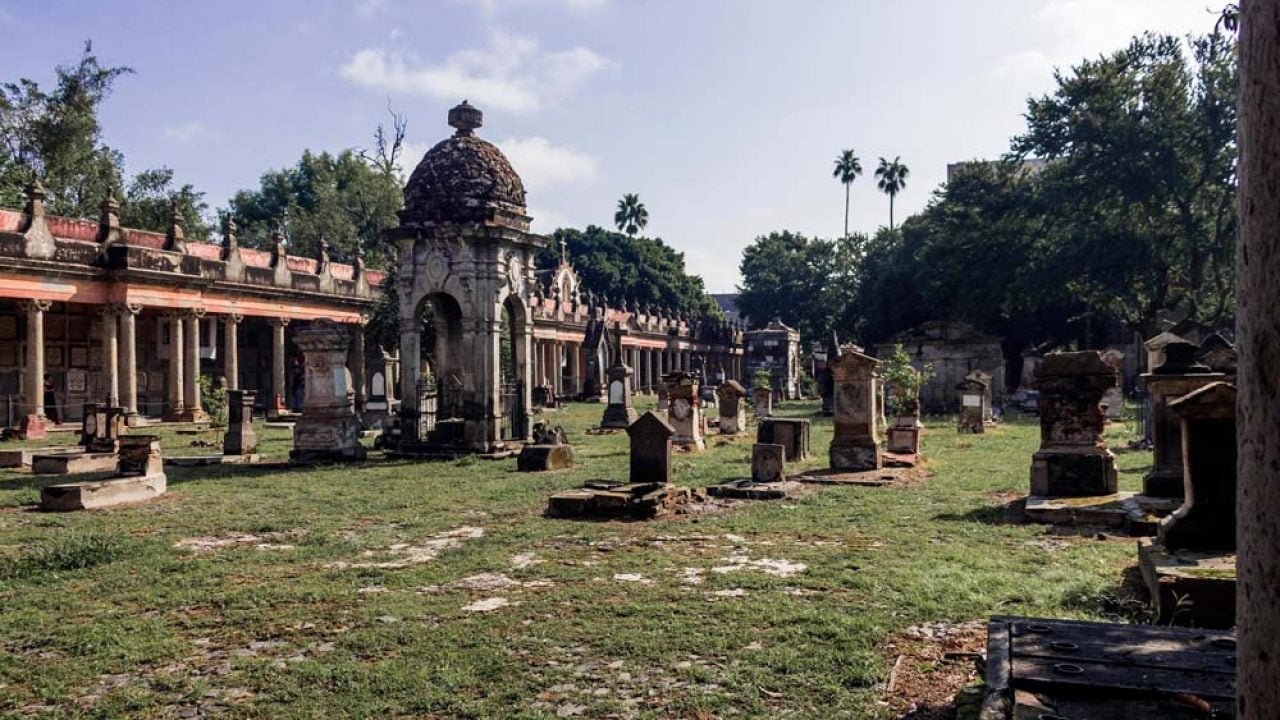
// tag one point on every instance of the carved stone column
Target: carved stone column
(110, 354)
(278, 390)
(358, 379)
(127, 360)
(34, 424)
(177, 407)
(191, 370)
(231, 349)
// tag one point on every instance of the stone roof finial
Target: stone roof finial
(37, 242)
(35, 198)
(175, 238)
(357, 267)
(465, 118)
(229, 228)
(322, 259)
(109, 222)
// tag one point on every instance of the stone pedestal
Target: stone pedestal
(685, 414)
(240, 438)
(854, 446)
(139, 476)
(791, 433)
(762, 401)
(768, 463)
(1073, 459)
(1179, 374)
(731, 402)
(904, 439)
(973, 401)
(328, 429)
(619, 413)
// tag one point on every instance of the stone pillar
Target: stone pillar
(855, 444)
(128, 362)
(1258, 412)
(34, 424)
(557, 367)
(357, 366)
(231, 350)
(110, 353)
(279, 392)
(328, 428)
(410, 393)
(191, 367)
(177, 407)
(575, 367)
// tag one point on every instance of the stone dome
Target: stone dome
(463, 179)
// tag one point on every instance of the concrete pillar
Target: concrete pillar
(279, 393)
(575, 366)
(107, 315)
(191, 366)
(176, 366)
(34, 423)
(127, 358)
(231, 349)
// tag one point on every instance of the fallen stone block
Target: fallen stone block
(96, 494)
(542, 458)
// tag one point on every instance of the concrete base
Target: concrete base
(541, 458)
(904, 440)
(96, 494)
(855, 458)
(204, 460)
(1189, 588)
(833, 476)
(618, 417)
(21, 457)
(748, 490)
(1073, 471)
(1136, 514)
(72, 463)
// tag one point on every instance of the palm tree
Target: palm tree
(631, 216)
(848, 168)
(891, 178)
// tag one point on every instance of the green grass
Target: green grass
(103, 615)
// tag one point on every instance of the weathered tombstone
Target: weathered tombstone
(854, 445)
(651, 439)
(972, 399)
(240, 438)
(1155, 348)
(762, 400)
(619, 413)
(139, 476)
(1180, 373)
(1207, 518)
(140, 455)
(731, 400)
(984, 377)
(1219, 354)
(686, 410)
(90, 423)
(828, 384)
(791, 433)
(328, 428)
(101, 427)
(550, 450)
(768, 463)
(1073, 459)
(1113, 398)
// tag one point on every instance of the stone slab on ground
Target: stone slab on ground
(96, 494)
(606, 500)
(72, 463)
(866, 478)
(218, 459)
(899, 460)
(1136, 514)
(1189, 588)
(197, 430)
(542, 458)
(1052, 669)
(749, 490)
(21, 457)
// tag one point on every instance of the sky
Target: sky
(725, 116)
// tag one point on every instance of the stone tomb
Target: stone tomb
(550, 450)
(100, 431)
(649, 491)
(768, 477)
(328, 429)
(1073, 459)
(854, 446)
(685, 414)
(973, 399)
(731, 400)
(1180, 373)
(762, 401)
(1189, 569)
(619, 413)
(139, 476)
(791, 433)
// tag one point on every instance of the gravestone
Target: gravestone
(791, 433)
(762, 400)
(1113, 398)
(139, 476)
(731, 401)
(904, 434)
(328, 429)
(828, 384)
(1179, 374)
(768, 463)
(1207, 518)
(983, 377)
(550, 450)
(1219, 354)
(685, 414)
(664, 397)
(651, 440)
(101, 428)
(854, 446)
(140, 455)
(619, 413)
(1073, 459)
(240, 438)
(973, 394)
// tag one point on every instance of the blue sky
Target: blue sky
(724, 115)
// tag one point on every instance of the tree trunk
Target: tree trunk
(890, 211)
(846, 209)
(1258, 412)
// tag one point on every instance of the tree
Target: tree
(638, 269)
(808, 283)
(150, 200)
(891, 178)
(631, 216)
(848, 168)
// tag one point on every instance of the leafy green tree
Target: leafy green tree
(891, 178)
(632, 216)
(637, 269)
(150, 199)
(848, 168)
(809, 284)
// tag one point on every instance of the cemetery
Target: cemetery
(457, 467)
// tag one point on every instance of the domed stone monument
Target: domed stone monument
(465, 276)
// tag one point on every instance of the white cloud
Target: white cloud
(369, 8)
(547, 221)
(511, 73)
(493, 6)
(186, 132)
(540, 163)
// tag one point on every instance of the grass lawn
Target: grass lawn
(396, 589)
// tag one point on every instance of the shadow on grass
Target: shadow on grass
(1008, 513)
(1125, 602)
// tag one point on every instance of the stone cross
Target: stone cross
(1073, 459)
(1207, 518)
(651, 449)
(854, 445)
